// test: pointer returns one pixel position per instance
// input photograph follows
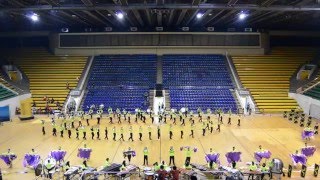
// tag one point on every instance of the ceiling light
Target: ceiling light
(242, 16)
(34, 17)
(210, 14)
(119, 15)
(199, 15)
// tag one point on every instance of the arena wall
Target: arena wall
(14, 102)
(158, 43)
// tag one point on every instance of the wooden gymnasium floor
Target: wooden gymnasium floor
(273, 132)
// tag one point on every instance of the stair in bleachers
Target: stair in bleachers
(121, 81)
(159, 70)
(198, 81)
(48, 74)
(167, 99)
(268, 76)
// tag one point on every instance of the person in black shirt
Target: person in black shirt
(106, 133)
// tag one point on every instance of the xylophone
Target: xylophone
(198, 166)
(72, 172)
(114, 168)
(129, 170)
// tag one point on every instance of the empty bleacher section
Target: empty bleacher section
(48, 74)
(5, 93)
(198, 81)
(121, 81)
(268, 76)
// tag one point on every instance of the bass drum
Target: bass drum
(38, 170)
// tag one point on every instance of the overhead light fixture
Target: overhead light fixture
(119, 15)
(109, 14)
(73, 15)
(210, 14)
(34, 17)
(243, 15)
(199, 15)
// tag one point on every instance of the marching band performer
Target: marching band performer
(121, 134)
(114, 133)
(171, 156)
(149, 132)
(43, 128)
(106, 133)
(140, 133)
(145, 156)
(131, 134)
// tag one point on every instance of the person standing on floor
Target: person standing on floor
(145, 156)
(149, 132)
(170, 131)
(106, 133)
(114, 133)
(131, 134)
(140, 133)
(171, 156)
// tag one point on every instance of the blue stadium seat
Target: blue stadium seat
(198, 81)
(121, 81)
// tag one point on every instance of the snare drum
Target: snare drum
(149, 175)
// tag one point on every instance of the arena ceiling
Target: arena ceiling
(148, 14)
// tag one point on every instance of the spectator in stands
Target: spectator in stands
(162, 174)
(52, 101)
(68, 86)
(175, 173)
(316, 127)
(33, 104)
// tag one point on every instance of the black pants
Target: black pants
(145, 160)
(149, 135)
(140, 136)
(181, 134)
(183, 123)
(98, 135)
(170, 134)
(114, 136)
(229, 120)
(69, 134)
(188, 159)
(191, 133)
(54, 132)
(98, 120)
(43, 131)
(211, 129)
(80, 123)
(92, 135)
(171, 160)
(121, 137)
(61, 133)
(88, 122)
(131, 137)
(77, 135)
(158, 135)
(106, 135)
(72, 124)
(238, 122)
(84, 135)
(203, 132)
(129, 158)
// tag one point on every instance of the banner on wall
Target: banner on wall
(4, 113)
